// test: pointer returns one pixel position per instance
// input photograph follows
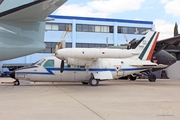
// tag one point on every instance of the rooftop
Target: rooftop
(100, 19)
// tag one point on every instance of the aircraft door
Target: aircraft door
(67, 74)
(81, 73)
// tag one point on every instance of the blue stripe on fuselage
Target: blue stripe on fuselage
(49, 70)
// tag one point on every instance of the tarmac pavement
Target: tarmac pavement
(111, 100)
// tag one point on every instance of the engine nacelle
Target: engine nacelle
(80, 62)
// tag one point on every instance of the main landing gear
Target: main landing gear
(151, 76)
(16, 83)
(132, 78)
(92, 81)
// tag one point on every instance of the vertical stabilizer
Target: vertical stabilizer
(146, 47)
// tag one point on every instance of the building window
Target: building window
(94, 28)
(50, 47)
(97, 28)
(111, 29)
(91, 28)
(132, 30)
(58, 26)
(62, 27)
(55, 27)
(79, 28)
(85, 28)
(48, 26)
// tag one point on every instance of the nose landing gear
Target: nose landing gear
(16, 83)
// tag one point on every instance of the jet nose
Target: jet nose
(174, 60)
(12, 75)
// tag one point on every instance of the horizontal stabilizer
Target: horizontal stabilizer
(140, 63)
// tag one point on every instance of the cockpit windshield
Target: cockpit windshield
(39, 62)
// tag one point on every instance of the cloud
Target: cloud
(164, 1)
(115, 6)
(79, 10)
(99, 8)
(165, 28)
(172, 7)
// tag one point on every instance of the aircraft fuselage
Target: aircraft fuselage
(41, 72)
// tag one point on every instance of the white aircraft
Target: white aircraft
(91, 65)
(22, 26)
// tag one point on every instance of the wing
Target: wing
(23, 10)
(162, 44)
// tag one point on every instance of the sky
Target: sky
(163, 13)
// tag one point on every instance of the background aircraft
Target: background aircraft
(161, 53)
(22, 26)
(91, 65)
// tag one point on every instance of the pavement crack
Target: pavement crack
(81, 103)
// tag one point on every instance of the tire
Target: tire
(85, 83)
(93, 82)
(152, 78)
(132, 78)
(16, 83)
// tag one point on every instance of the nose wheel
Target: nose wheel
(16, 83)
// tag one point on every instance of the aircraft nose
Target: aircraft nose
(174, 60)
(12, 75)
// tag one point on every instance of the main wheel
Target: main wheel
(132, 78)
(152, 77)
(93, 82)
(16, 83)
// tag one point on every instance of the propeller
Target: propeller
(62, 44)
(62, 66)
(127, 42)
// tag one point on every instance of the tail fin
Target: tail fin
(147, 45)
(35, 10)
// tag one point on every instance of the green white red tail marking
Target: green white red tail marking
(149, 45)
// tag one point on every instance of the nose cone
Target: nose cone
(173, 60)
(61, 54)
(12, 75)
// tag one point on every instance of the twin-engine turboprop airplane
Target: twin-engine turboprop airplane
(91, 65)
(22, 26)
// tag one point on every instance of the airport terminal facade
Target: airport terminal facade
(86, 32)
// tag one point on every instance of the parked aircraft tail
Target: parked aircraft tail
(147, 45)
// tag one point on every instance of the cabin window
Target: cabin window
(66, 65)
(39, 62)
(49, 63)
(80, 66)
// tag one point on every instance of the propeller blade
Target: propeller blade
(62, 66)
